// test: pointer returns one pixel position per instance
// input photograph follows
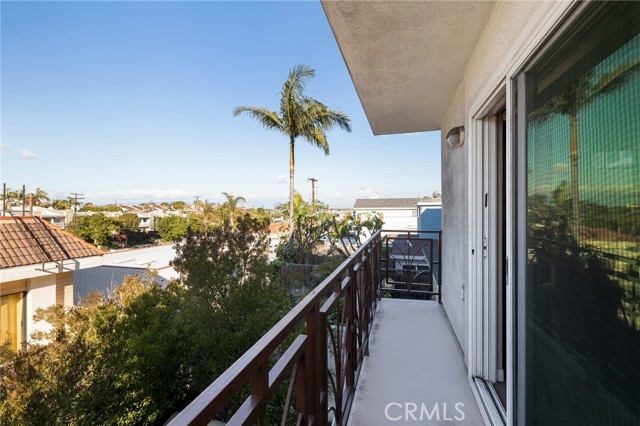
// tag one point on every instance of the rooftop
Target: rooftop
(386, 203)
(30, 240)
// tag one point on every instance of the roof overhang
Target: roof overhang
(406, 58)
(48, 268)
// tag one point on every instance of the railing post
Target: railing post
(376, 275)
(302, 388)
(440, 268)
(352, 321)
(386, 239)
(323, 365)
(260, 387)
(312, 399)
(367, 301)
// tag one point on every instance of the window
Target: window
(582, 290)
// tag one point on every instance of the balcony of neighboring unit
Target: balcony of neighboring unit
(371, 345)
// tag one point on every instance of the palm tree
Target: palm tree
(300, 117)
(40, 197)
(571, 101)
(209, 211)
(230, 207)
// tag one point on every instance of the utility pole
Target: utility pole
(76, 197)
(313, 190)
(4, 198)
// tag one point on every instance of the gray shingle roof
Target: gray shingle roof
(386, 203)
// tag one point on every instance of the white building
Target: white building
(37, 266)
(396, 213)
(146, 262)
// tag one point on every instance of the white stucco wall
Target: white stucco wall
(504, 43)
(395, 219)
(41, 293)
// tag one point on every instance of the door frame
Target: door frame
(483, 307)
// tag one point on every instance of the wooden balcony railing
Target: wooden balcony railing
(329, 330)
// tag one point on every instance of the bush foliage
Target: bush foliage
(142, 353)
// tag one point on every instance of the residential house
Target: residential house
(277, 231)
(539, 324)
(59, 218)
(37, 266)
(396, 213)
(148, 262)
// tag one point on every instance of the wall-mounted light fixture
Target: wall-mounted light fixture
(455, 137)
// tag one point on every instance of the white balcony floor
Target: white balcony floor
(414, 358)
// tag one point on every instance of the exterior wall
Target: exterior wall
(104, 279)
(395, 218)
(64, 289)
(455, 245)
(11, 287)
(42, 289)
(506, 35)
(41, 293)
(430, 218)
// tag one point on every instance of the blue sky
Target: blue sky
(132, 101)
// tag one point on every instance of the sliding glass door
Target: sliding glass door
(580, 235)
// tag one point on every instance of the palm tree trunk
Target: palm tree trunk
(575, 196)
(291, 187)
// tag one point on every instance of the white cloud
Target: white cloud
(27, 154)
(6, 147)
(281, 179)
(364, 192)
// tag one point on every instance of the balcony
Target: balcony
(360, 349)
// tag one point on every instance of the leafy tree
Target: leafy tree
(90, 207)
(261, 214)
(174, 228)
(129, 222)
(129, 225)
(314, 225)
(139, 355)
(61, 204)
(300, 117)
(178, 205)
(227, 269)
(96, 228)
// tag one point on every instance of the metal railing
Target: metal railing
(322, 363)
(411, 264)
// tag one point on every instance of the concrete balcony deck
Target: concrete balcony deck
(415, 373)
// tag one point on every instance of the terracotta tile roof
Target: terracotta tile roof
(30, 240)
(278, 227)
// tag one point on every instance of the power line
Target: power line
(76, 196)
